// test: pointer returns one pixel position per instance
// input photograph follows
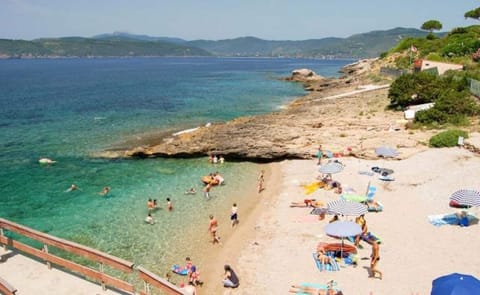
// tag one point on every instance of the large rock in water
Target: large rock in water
(303, 75)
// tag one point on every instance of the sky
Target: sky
(224, 19)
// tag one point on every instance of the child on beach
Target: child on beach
(234, 215)
(149, 219)
(169, 204)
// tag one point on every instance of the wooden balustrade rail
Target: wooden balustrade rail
(6, 288)
(71, 247)
(152, 279)
(149, 278)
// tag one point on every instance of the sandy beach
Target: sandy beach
(272, 250)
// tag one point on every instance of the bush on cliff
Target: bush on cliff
(447, 138)
(411, 89)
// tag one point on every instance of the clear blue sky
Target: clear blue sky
(224, 19)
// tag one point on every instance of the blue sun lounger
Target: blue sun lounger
(333, 266)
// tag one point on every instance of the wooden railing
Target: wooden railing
(147, 277)
(6, 288)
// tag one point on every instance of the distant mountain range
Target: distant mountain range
(119, 44)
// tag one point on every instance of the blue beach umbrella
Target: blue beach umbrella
(455, 284)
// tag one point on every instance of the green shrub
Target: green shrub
(447, 138)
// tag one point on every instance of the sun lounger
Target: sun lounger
(332, 266)
(378, 208)
(317, 287)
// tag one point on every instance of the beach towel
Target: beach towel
(332, 266)
(452, 219)
(312, 187)
(317, 287)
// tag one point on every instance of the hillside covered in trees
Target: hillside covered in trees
(364, 45)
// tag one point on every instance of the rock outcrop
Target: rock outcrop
(354, 124)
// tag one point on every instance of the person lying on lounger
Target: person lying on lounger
(307, 203)
(322, 255)
(314, 291)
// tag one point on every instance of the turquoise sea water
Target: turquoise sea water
(67, 109)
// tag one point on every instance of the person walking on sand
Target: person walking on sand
(320, 155)
(260, 181)
(234, 215)
(375, 257)
(360, 220)
(169, 204)
(212, 228)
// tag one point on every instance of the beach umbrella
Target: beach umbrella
(466, 197)
(455, 284)
(386, 152)
(346, 208)
(343, 229)
(331, 168)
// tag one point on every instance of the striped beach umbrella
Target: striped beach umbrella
(466, 197)
(346, 208)
(331, 168)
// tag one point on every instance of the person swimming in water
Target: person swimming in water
(105, 191)
(190, 191)
(72, 188)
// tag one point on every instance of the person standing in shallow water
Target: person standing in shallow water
(260, 181)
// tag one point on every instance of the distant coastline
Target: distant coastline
(127, 45)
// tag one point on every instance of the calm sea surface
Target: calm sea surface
(67, 109)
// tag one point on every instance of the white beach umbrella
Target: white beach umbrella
(331, 168)
(386, 152)
(343, 229)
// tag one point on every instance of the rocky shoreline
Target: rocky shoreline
(347, 115)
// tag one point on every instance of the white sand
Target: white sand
(413, 251)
